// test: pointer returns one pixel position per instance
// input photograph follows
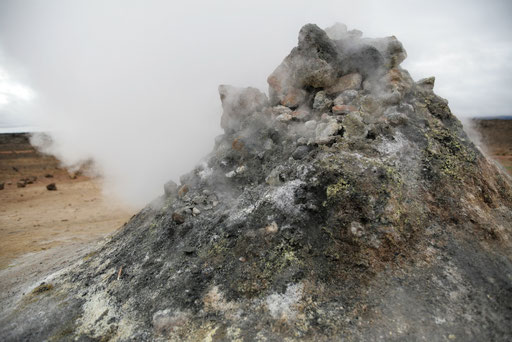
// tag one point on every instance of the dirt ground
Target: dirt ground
(496, 138)
(42, 231)
(34, 219)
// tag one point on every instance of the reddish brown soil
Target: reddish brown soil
(41, 230)
(495, 136)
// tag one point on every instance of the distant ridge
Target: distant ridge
(19, 129)
(496, 117)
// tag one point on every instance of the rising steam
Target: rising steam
(133, 86)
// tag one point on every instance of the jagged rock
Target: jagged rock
(392, 226)
(322, 102)
(21, 183)
(302, 141)
(337, 31)
(312, 63)
(392, 98)
(325, 132)
(392, 50)
(319, 62)
(51, 187)
(370, 104)
(343, 109)
(178, 218)
(301, 114)
(30, 180)
(355, 33)
(183, 190)
(427, 83)
(311, 124)
(300, 152)
(294, 98)
(348, 82)
(354, 126)
(271, 228)
(284, 117)
(345, 98)
(238, 103)
(170, 188)
(280, 110)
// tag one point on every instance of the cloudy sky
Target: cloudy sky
(133, 84)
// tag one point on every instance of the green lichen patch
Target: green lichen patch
(43, 287)
(446, 154)
(337, 189)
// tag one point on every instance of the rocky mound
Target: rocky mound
(348, 205)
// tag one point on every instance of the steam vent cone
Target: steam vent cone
(348, 205)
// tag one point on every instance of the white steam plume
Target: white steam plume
(133, 84)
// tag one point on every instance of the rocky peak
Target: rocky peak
(348, 205)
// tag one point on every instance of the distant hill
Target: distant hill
(494, 117)
(496, 136)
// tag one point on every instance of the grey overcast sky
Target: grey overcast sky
(113, 80)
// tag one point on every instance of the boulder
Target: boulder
(322, 102)
(238, 103)
(337, 31)
(351, 81)
(293, 98)
(312, 64)
(301, 114)
(51, 187)
(346, 97)
(31, 179)
(170, 189)
(343, 109)
(183, 190)
(300, 152)
(178, 218)
(426, 83)
(280, 110)
(325, 132)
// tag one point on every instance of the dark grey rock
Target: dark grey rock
(178, 218)
(321, 102)
(238, 103)
(170, 188)
(300, 152)
(51, 187)
(427, 83)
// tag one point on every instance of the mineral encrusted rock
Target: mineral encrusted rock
(354, 213)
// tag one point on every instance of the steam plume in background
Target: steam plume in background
(133, 84)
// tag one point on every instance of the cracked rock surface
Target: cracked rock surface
(349, 204)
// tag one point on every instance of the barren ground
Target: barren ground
(496, 137)
(42, 231)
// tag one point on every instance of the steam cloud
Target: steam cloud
(133, 85)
